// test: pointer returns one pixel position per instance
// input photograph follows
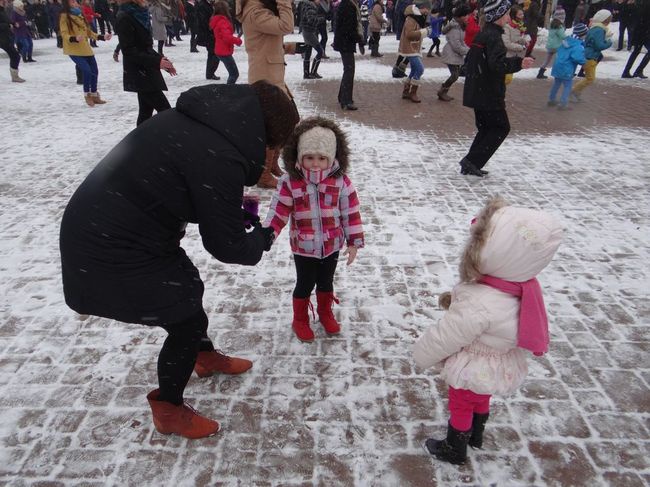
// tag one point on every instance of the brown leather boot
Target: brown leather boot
(267, 180)
(413, 95)
(407, 89)
(209, 363)
(97, 99)
(181, 420)
(90, 101)
(442, 94)
(300, 322)
(325, 314)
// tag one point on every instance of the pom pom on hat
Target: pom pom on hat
(579, 30)
(601, 16)
(318, 140)
(495, 9)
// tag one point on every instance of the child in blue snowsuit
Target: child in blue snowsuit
(570, 54)
(436, 28)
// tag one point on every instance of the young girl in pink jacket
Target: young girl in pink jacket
(320, 202)
(495, 315)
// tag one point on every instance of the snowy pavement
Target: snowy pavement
(351, 410)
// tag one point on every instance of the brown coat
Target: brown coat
(376, 17)
(410, 44)
(263, 38)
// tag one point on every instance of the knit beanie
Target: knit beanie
(601, 16)
(318, 140)
(580, 30)
(18, 4)
(495, 9)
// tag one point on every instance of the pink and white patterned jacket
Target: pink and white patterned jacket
(323, 216)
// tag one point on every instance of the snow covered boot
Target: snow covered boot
(14, 76)
(541, 75)
(406, 92)
(413, 95)
(478, 426)
(181, 420)
(300, 322)
(314, 69)
(442, 94)
(97, 99)
(90, 100)
(325, 315)
(209, 363)
(453, 449)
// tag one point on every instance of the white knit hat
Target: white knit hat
(18, 4)
(601, 16)
(318, 140)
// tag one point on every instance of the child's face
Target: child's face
(315, 162)
(520, 15)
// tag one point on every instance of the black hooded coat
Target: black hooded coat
(121, 231)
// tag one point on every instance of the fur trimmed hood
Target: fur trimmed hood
(514, 244)
(290, 151)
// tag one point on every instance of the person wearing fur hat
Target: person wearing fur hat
(570, 54)
(485, 90)
(7, 44)
(455, 50)
(319, 201)
(410, 46)
(494, 317)
(556, 34)
(121, 232)
(76, 33)
(598, 39)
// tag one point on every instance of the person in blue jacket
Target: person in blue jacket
(598, 39)
(436, 20)
(570, 54)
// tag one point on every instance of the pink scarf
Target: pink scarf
(532, 333)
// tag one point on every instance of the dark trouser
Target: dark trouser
(317, 48)
(435, 45)
(633, 56)
(103, 25)
(231, 67)
(88, 67)
(531, 44)
(374, 41)
(347, 80)
(148, 101)
(178, 355)
(322, 31)
(192, 40)
(454, 71)
(312, 272)
(14, 57)
(211, 63)
(25, 46)
(160, 47)
(493, 128)
(622, 27)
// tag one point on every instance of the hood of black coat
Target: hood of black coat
(234, 112)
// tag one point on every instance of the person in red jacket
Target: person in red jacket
(88, 12)
(472, 28)
(224, 39)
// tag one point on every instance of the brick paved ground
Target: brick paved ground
(351, 410)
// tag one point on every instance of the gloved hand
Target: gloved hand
(251, 207)
(267, 234)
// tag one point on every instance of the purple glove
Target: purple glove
(251, 208)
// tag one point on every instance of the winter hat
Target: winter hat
(601, 16)
(580, 30)
(461, 11)
(422, 4)
(560, 13)
(318, 140)
(495, 9)
(18, 4)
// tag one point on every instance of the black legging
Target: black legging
(178, 355)
(454, 70)
(14, 56)
(312, 272)
(493, 128)
(149, 101)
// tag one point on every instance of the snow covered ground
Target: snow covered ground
(346, 411)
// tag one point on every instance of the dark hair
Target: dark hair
(514, 10)
(65, 10)
(271, 5)
(278, 111)
(222, 8)
(556, 24)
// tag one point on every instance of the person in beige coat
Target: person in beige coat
(514, 36)
(377, 21)
(494, 315)
(410, 45)
(265, 23)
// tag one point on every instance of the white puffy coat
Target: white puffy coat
(477, 336)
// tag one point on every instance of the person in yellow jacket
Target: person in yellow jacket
(75, 33)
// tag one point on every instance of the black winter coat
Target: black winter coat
(641, 31)
(6, 34)
(121, 231)
(346, 36)
(204, 36)
(533, 18)
(487, 65)
(140, 62)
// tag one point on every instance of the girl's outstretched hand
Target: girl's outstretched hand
(351, 252)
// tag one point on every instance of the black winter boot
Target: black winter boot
(305, 70)
(540, 74)
(314, 69)
(453, 449)
(478, 426)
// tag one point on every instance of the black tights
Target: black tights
(178, 355)
(312, 272)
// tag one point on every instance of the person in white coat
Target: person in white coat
(496, 313)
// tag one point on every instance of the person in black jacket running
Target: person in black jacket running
(485, 88)
(121, 232)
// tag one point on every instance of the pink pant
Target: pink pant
(463, 403)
